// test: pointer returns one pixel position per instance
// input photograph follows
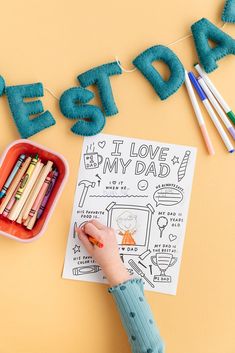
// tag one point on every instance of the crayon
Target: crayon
(48, 193)
(95, 242)
(32, 197)
(29, 192)
(14, 184)
(30, 222)
(41, 194)
(19, 204)
(12, 175)
(10, 203)
(92, 240)
(27, 222)
(27, 177)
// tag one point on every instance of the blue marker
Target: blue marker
(211, 112)
(12, 175)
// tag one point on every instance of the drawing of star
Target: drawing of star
(76, 248)
(175, 160)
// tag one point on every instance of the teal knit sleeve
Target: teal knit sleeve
(137, 317)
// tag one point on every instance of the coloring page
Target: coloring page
(142, 190)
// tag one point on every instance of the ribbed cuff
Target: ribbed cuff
(123, 284)
(137, 317)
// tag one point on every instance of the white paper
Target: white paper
(141, 189)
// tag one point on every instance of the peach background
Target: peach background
(52, 42)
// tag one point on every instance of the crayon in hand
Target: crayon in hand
(27, 176)
(95, 242)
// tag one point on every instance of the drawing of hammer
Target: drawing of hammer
(86, 184)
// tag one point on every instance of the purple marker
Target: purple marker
(48, 194)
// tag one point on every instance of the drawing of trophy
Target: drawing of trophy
(163, 261)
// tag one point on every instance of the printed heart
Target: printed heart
(123, 249)
(101, 144)
(172, 237)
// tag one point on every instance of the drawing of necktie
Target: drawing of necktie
(183, 166)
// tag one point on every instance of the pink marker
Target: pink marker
(198, 114)
(41, 195)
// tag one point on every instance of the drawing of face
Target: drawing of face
(127, 221)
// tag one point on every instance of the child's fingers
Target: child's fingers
(98, 225)
(91, 229)
(84, 239)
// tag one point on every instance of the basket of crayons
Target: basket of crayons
(31, 180)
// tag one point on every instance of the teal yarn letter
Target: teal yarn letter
(21, 110)
(2, 86)
(92, 120)
(203, 30)
(228, 14)
(163, 88)
(100, 76)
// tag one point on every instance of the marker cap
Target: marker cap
(196, 85)
(231, 116)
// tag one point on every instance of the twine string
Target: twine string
(171, 44)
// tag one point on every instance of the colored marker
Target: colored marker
(217, 107)
(198, 114)
(27, 176)
(12, 175)
(211, 112)
(48, 193)
(40, 195)
(217, 95)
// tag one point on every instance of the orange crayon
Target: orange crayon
(95, 242)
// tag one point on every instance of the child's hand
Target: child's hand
(107, 256)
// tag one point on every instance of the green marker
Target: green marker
(217, 95)
(231, 116)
